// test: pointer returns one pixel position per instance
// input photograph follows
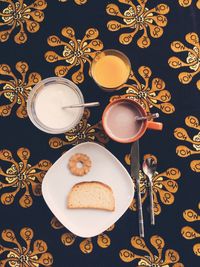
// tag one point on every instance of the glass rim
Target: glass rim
(31, 111)
(106, 51)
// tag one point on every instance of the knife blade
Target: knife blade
(135, 167)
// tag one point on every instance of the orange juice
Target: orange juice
(110, 69)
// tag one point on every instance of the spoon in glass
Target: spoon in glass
(91, 104)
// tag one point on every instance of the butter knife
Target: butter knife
(135, 167)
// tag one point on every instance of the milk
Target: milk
(49, 105)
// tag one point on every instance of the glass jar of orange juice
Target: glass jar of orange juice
(110, 69)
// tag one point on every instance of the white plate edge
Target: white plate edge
(116, 159)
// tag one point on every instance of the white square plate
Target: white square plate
(105, 168)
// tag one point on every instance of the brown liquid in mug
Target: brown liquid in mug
(121, 120)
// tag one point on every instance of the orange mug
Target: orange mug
(120, 122)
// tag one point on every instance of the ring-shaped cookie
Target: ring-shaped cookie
(82, 160)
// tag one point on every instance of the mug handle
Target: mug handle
(154, 125)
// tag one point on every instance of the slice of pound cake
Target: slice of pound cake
(91, 195)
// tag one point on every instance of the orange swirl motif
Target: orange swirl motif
(147, 256)
(86, 245)
(138, 18)
(78, 2)
(192, 61)
(18, 15)
(83, 132)
(21, 177)
(164, 186)
(16, 90)
(28, 254)
(181, 134)
(75, 52)
(187, 3)
(149, 93)
(190, 233)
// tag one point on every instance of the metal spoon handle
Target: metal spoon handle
(91, 104)
(149, 117)
(152, 216)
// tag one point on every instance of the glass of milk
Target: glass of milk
(46, 101)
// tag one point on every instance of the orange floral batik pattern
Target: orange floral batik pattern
(75, 52)
(191, 59)
(15, 89)
(86, 245)
(83, 132)
(18, 15)
(21, 178)
(190, 233)
(164, 186)
(157, 256)
(78, 2)
(187, 3)
(194, 141)
(149, 93)
(27, 253)
(138, 18)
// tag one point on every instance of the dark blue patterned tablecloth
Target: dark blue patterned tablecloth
(40, 39)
